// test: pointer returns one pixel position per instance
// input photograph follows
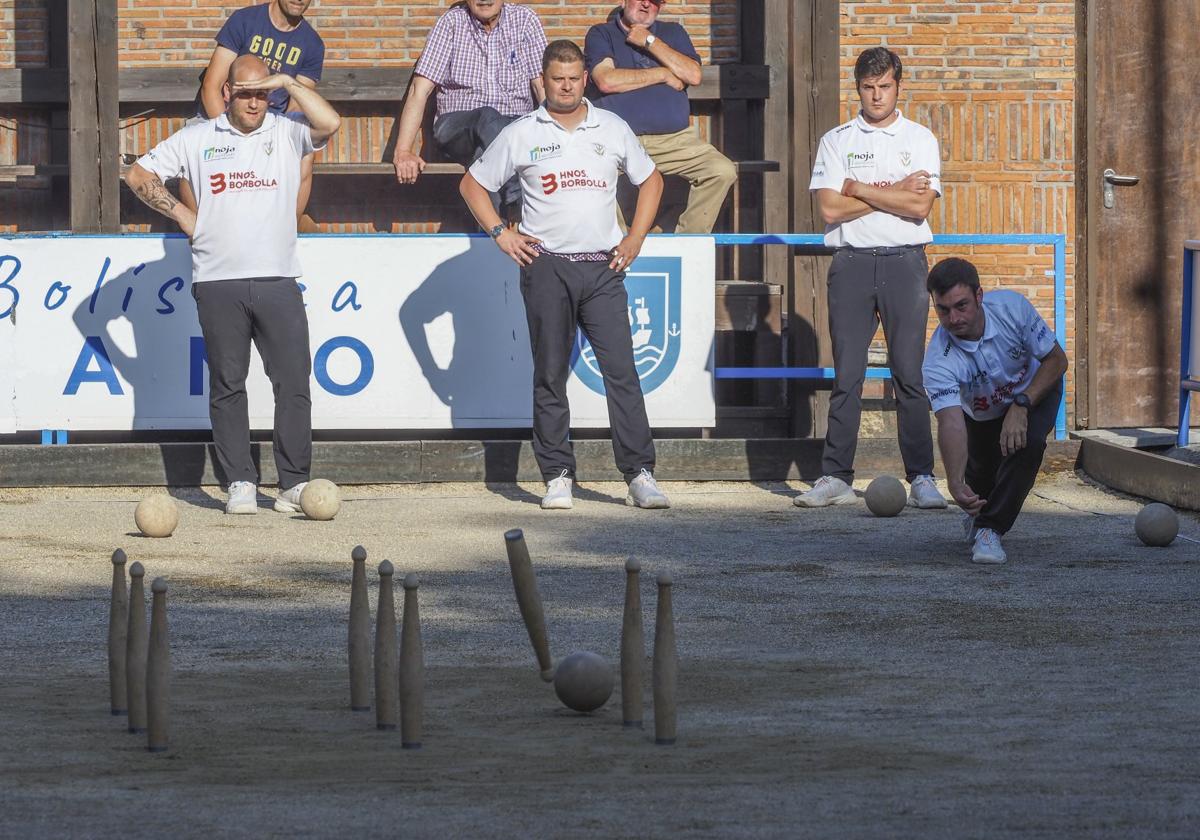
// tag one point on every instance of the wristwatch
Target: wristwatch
(496, 231)
(1022, 399)
(650, 39)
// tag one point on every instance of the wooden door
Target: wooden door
(1143, 122)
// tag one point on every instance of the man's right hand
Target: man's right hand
(518, 245)
(408, 166)
(671, 80)
(967, 498)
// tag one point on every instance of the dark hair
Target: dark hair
(564, 51)
(875, 62)
(951, 272)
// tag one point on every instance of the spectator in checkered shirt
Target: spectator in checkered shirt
(484, 59)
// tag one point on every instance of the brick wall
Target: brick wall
(995, 81)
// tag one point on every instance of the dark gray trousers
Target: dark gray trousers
(1005, 480)
(270, 312)
(464, 136)
(560, 294)
(867, 286)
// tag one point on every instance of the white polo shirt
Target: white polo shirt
(568, 178)
(877, 156)
(982, 376)
(245, 187)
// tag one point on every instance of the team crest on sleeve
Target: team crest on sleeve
(654, 286)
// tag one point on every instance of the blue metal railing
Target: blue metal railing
(1058, 240)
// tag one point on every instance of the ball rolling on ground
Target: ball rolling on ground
(885, 496)
(1156, 525)
(583, 681)
(156, 516)
(320, 499)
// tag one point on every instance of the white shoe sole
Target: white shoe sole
(989, 561)
(663, 505)
(844, 499)
(242, 510)
(934, 506)
(286, 507)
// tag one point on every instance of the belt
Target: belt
(882, 250)
(578, 256)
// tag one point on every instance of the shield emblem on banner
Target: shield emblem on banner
(654, 286)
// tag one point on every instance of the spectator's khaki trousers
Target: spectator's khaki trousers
(709, 172)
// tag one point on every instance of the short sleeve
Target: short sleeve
(434, 63)
(497, 164)
(929, 157)
(597, 46)
(941, 386)
(232, 35)
(533, 46)
(168, 159)
(300, 132)
(828, 172)
(314, 59)
(1037, 336)
(681, 42)
(637, 164)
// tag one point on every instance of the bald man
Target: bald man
(244, 168)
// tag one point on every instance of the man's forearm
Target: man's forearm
(479, 202)
(952, 443)
(836, 208)
(1048, 373)
(649, 195)
(149, 188)
(321, 117)
(904, 203)
(686, 69)
(413, 113)
(212, 101)
(614, 80)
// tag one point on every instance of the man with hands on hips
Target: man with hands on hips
(567, 156)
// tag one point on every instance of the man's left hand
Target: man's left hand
(637, 36)
(1013, 431)
(626, 252)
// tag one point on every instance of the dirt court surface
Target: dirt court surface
(840, 675)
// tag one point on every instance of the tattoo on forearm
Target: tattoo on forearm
(154, 194)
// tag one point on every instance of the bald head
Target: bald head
(247, 68)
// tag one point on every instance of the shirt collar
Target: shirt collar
(892, 129)
(223, 124)
(589, 121)
(615, 19)
(989, 333)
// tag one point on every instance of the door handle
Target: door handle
(1111, 179)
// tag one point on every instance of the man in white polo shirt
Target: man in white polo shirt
(567, 156)
(244, 168)
(994, 375)
(876, 178)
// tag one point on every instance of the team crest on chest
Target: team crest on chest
(905, 158)
(270, 147)
(598, 148)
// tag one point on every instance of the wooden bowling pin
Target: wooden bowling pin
(633, 647)
(360, 634)
(118, 628)
(387, 686)
(666, 664)
(135, 651)
(158, 671)
(529, 599)
(412, 669)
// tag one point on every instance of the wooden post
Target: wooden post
(93, 99)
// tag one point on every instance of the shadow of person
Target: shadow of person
(140, 331)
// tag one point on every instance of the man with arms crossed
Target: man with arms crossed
(244, 167)
(876, 178)
(483, 57)
(994, 374)
(567, 155)
(641, 68)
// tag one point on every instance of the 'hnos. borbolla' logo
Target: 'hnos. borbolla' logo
(654, 286)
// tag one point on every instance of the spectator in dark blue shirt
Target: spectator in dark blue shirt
(640, 68)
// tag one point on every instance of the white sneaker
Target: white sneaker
(968, 528)
(924, 494)
(243, 498)
(558, 493)
(827, 491)
(288, 500)
(644, 492)
(988, 548)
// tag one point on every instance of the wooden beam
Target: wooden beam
(33, 86)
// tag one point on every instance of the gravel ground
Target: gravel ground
(840, 675)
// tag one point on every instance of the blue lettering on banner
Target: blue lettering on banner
(321, 366)
(59, 288)
(6, 284)
(99, 283)
(125, 303)
(167, 307)
(197, 359)
(350, 300)
(93, 348)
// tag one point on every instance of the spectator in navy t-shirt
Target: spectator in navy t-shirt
(276, 32)
(640, 68)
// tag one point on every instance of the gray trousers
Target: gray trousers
(268, 311)
(867, 286)
(559, 294)
(464, 136)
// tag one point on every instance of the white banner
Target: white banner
(407, 332)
